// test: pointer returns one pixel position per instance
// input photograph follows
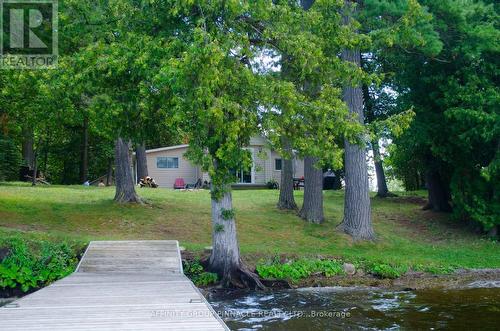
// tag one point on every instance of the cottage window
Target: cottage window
(277, 164)
(167, 162)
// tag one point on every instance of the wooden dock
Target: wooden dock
(118, 285)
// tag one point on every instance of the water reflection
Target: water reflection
(362, 308)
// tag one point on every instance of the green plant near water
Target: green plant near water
(31, 265)
(195, 271)
(299, 269)
(383, 270)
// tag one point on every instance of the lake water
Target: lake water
(473, 308)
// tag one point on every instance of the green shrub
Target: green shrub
(195, 271)
(192, 268)
(296, 270)
(383, 270)
(35, 264)
(475, 196)
(205, 279)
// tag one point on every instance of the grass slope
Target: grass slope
(406, 234)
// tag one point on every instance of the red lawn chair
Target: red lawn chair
(179, 184)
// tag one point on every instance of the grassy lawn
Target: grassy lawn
(406, 234)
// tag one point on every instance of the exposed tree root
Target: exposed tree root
(122, 198)
(287, 205)
(242, 277)
(310, 218)
(357, 234)
(239, 277)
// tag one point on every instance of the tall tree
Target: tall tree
(357, 212)
(390, 26)
(312, 205)
(215, 92)
(305, 113)
(371, 115)
(454, 138)
(395, 27)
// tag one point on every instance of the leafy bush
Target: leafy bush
(296, 270)
(37, 264)
(383, 270)
(475, 197)
(205, 279)
(195, 271)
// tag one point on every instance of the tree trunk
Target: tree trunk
(45, 157)
(27, 147)
(286, 199)
(437, 192)
(125, 187)
(357, 212)
(65, 172)
(141, 161)
(35, 170)
(370, 116)
(109, 176)
(84, 165)
(312, 208)
(382, 190)
(225, 258)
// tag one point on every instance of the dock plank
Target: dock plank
(118, 285)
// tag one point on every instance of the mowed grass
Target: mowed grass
(406, 234)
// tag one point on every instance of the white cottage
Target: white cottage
(166, 164)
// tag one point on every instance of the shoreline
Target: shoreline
(460, 278)
(412, 281)
(463, 279)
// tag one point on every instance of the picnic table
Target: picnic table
(298, 183)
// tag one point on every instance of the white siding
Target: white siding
(166, 177)
(275, 174)
(259, 166)
(298, 167)
(263, 169)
